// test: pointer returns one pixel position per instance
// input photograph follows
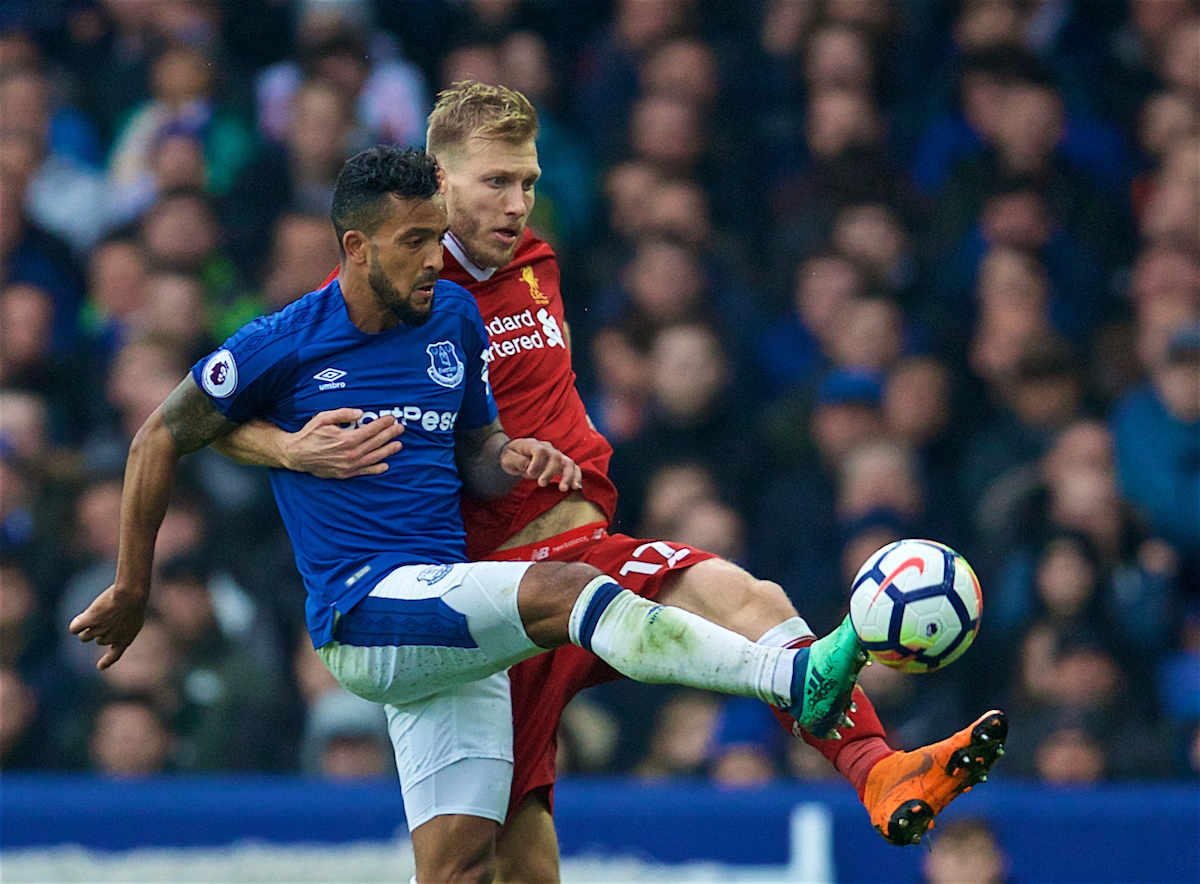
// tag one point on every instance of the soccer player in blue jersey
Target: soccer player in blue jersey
(394, 611)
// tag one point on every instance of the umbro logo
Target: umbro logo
(332, 378)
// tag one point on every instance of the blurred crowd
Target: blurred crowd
(838, 272)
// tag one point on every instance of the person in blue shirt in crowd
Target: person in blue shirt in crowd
(394, 611)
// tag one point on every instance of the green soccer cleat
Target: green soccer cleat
(822, 681)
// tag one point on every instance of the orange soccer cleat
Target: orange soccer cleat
(907, 790)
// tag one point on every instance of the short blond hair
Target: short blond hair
(472, 109)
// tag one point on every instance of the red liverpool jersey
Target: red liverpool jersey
(534, 385)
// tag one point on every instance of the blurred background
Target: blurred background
(837, 271)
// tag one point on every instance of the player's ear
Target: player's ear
(356, 245)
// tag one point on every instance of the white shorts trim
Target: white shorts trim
(471, 787)
(454, 752)
(484, 594)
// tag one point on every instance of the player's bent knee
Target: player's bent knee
(547, 594)
(730, 596)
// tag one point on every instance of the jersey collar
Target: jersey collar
(456, 249)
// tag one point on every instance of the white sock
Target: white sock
(785, 633)
(661, 644)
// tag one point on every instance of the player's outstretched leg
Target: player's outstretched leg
(823, 679)
(906, 790)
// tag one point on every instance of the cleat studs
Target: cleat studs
(853, 707)
(916, 839)
(983, 738)
(999, 750)
(902, 823)
(983, 779)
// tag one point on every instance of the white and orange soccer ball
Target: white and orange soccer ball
(915, 605)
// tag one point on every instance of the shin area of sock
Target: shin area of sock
(860, 747)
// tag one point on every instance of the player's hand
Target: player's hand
(329, 450)
(113, 619)
(541, 461)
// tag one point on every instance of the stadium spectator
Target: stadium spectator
(116, 278)
(690, 379)
(184, 101)
(608, 83)
(302, 249)
(21, 745)
(28, 363)
(746, 745)
(346, 737)
(181, 232)
(130, 738)
(18, 615)
(229, 678)
(338, 42)
(1155, 432)
(621, 387)
(871, 335)
(563, 213)
(32, 255)
(1024, 148)
(872, 235)
(671, 491)
(174, 310)
(919, 403)
(1018, 217)
(966, 851)
(847, 162)
(65, 194)
(294, 174)
(1040, 393)
(800, 553)
(795, 347)
(1173, 203)
(682, 737)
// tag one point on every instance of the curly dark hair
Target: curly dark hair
(368, 178)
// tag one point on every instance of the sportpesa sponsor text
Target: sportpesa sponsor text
(411, 414)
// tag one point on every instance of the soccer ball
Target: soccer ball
(915, 605)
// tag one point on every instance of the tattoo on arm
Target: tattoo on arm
(479, 462)
(469, 443)
(191, 418)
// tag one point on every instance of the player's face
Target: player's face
(489, 195)
(406, 258)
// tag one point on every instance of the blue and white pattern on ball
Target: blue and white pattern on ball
(915, 605)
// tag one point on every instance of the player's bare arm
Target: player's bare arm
(490, 463)
(185, 422)
(325, 446)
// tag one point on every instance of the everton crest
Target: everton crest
(445, 367)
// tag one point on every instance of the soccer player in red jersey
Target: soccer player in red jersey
(484, 138)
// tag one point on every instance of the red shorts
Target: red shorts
(543, 685)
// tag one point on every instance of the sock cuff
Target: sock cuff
(595, 598)
(785, 633)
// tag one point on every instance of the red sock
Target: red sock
(860, 747)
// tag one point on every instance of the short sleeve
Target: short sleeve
(248, 376)
(478, 408)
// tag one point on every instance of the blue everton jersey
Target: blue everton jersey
(309, 357)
